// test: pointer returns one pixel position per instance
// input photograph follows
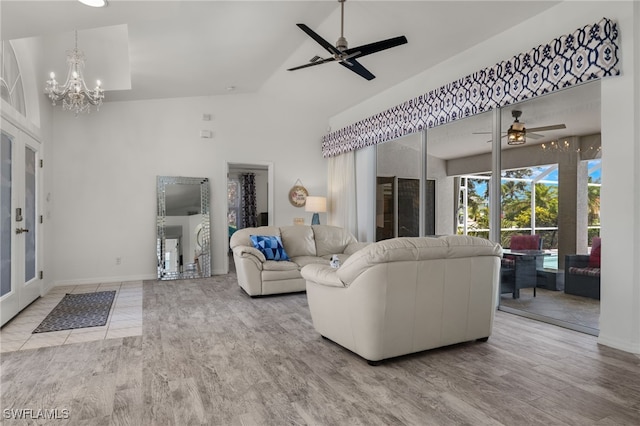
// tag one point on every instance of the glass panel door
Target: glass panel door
(30, 215)
(550, 192)
(6, 183)
(408, 207)
(19, 251)
(458, 158)
(399, 171)
(385, 208)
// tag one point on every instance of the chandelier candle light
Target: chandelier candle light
(74, 94)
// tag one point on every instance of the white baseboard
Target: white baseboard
(104, 280)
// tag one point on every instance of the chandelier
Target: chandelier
(566, 147)
(74, 94)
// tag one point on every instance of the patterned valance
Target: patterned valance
(589, 53)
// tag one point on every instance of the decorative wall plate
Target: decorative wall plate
(298, 195)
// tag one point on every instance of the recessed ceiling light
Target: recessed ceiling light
(231, 88)
(94, 3)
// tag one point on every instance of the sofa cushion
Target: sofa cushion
(341, 257)
(242, 237)
(594, 256)
(298, 240)
(308, 260)
(415, 248)
(508, 262)
(286, 265)
(354, 247)
(280, 275)
(270, 245)
(589, 272)
(525, 242)
(331, 239)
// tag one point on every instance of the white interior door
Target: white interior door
(19, 222)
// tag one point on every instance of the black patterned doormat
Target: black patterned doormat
(78, 311)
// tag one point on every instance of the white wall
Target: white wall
(620, 208)
(620, 196)
(105, 165)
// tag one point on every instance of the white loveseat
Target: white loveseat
(406, 295)
(303, 244)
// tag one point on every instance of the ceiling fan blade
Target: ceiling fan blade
(530, 135)
(357, 67)
(368, 49)
(545, 128)
(311, 64)
(491, 140)
(322, 42)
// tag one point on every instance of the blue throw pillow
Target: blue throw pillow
(270, 246)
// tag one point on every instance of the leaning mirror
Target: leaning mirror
(183, 239)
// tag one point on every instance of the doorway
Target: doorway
(248, 209)
(20, 279)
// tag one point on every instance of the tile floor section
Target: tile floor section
(125, 318)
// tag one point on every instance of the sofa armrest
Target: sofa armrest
(354, 247)
(246, 251)
(321, 274)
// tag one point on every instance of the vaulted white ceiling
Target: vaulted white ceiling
(163, 49)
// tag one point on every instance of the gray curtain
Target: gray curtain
(248, 204)
(456, 203)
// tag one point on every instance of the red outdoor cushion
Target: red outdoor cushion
(525, 242)
(594, 256)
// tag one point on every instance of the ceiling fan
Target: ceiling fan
(342, 54)
(518, 134)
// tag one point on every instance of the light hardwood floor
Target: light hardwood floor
(209, 354)
(576, 310)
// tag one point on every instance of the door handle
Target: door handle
(21, 230)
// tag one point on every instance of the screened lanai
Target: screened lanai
(523, 214)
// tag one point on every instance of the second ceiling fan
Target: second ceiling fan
(517, 134)
(341, 52)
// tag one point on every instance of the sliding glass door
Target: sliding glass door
(399, 199)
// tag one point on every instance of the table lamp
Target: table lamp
(316, 205)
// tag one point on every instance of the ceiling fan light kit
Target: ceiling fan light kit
(341, 52)
(517, 133)
(516, 136)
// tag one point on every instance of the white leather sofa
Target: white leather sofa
(406, 295)
(304, 245)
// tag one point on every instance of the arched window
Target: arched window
(10, 79)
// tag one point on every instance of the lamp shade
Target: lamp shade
(316, 204)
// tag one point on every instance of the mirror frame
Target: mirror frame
(204, 234)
